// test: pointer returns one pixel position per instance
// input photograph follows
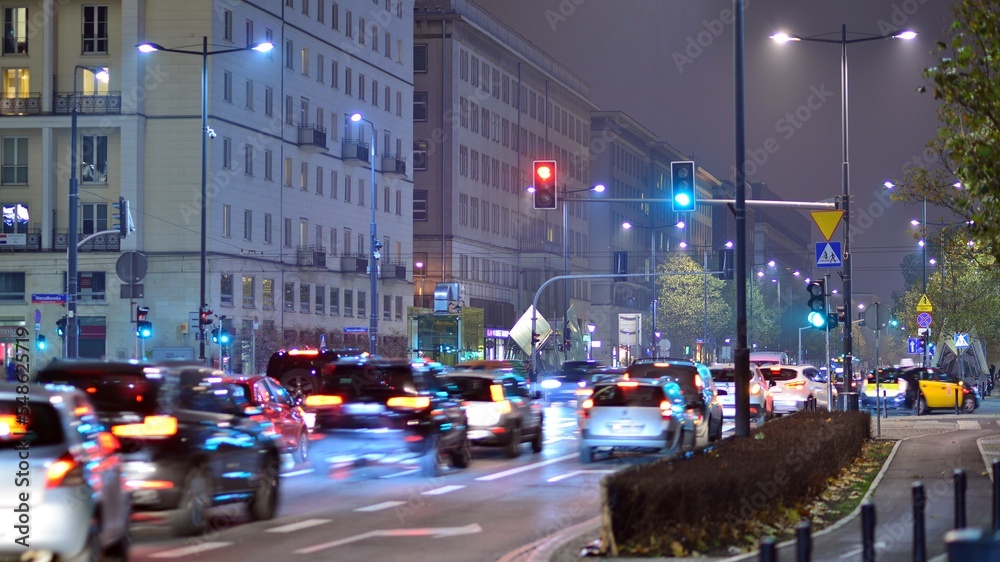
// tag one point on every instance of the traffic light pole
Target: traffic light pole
(829, 375)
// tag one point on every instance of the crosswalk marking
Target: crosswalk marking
(189, 550)
(969, 424)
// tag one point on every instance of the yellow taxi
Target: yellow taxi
(930, 388)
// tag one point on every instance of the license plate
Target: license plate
(626, 428)
(363, 409)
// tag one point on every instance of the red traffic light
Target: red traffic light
(545, 185)
(205, 317)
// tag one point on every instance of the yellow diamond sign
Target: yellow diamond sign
(827, 222)
(925, 304)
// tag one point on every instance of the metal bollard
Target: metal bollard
(956, 402)
(768, 550)
(996, 495)
(885, 404)
(919, 534)
(868, 532)
(960, 485)
(803, 542)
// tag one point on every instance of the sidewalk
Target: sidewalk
(923, 453)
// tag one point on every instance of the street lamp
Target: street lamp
(843, 41)
(72, 251)
(418, 271)
(590, 348)
(375, 246)
(262, 47)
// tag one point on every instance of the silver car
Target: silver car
(629, 415)
(761, 401)
(794, 385)
(64, 497)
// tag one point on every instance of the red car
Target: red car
(288, 420)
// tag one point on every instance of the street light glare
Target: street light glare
(906, 35)
(355, 117)
(784, 37)
(149, 47)
(626, 225)
(680, 224)
(915, 222)
(102, 76)
(264, 47)
(599, 188)
(888, 184)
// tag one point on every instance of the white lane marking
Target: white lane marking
(403, 473)
(969, 424)
(380, 506)
(305, 524)
(190, 550)
(525, 468)
(441, 490)
(854, 552)
(434, 532)
(298, 472)
(576, 472)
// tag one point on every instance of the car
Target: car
(928, 388)
(629, 415)
(288, 421)
(761, 401)
(765, 358)
(494, 366)
(794, 385)
(189, 440)
(562, 386)
(694, 386)
(298, 369)
(64, 494)
(501, 409)
(886, 386)
(374, 408)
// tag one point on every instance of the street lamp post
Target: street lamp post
(590, 345)
(843, 41)
(373, 253)
(204, 53)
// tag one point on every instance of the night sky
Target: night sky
(669, 65)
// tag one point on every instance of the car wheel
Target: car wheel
(190, 517)
(264, 502)
(512, 449)
(298, 385)
(969, 405)
(920, 406)
(430, 462)
(301, 453)
(462, 456)
(586, 454)
(703, 434)
(536, 442)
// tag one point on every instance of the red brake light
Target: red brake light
(631, 384)
(666, 409)
(304, 352)
(414, 402)
(699, 382)
(152, 426)
(64, 472)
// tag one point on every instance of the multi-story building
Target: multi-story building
(289, 191)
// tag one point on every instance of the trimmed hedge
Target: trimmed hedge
(720, 495)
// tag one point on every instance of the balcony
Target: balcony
(354, 149)
(312, 138)
(393, 164)
(393, 271)
(310, 256)
(107, 104)
(354, 264)
(30, 104)
(541, 246)
(110, 242)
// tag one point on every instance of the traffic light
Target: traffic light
(682, 189)
(122, 216)
(40, 343)
(205, 317)
(143, 327)
(817, 317)
(215, 335)
(535, 339)
(546, 193)
(842, 315)
(220, 336)
(61, 327)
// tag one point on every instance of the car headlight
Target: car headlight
(550, 384)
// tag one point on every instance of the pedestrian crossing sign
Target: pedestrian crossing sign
(828, 254)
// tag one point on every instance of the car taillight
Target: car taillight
(902, 384)
(796, 384)
(583, 392)
(585, 408)
(628, 384)
(65, 471)
(666, 409)
(755, 389)
(698, 382)
(966, 390)
(698, 418)
(151, 426)
(496, 392)
(316, 400)
(412, 402)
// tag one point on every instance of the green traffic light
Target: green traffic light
(683, 199)
(816, 319)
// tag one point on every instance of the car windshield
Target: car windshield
(684, 375)
(724, 375)
(887, 377)
(111, 392)
(43, 427)
(357, 380)
(779, 374)
(472, 388)
(639, 396)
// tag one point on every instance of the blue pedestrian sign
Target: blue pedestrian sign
(828, 254)
(961, 341)
(915, 346)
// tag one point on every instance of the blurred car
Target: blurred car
(629, 415)
(693, 386)
(189, 440)
(286, 418)
(562, 386)
(765, 358)
(929, 388)
(64, 492)
(494, 366)
(761, 402)
(501, 410)
(379, 408)
(298, 369)
(794, 385)
(886, 385)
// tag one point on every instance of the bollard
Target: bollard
(919, 538)
(996, 495)
(868, 532)
(768, 550)
(960, 485)
(885, 404)
(957, 409)
(803, 542)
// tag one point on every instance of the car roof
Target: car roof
(479, 374)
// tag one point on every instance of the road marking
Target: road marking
(854, 552)
(380, 506)
(298, 526)
(525, 468)
(434, 532)
(441, 490)
(969, 424)
(190, 550)
(575, 472)
(403, 473)
(298, 472)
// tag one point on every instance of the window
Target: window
(420, 154)
(361, 304)
(289, 54)
(304, 176)
(95, 29)
(269, 101)
(375, 38)
(463, 65)
(320, 299)
(388, 45)
(334, 184)
(249, 94)
(11, 286)
(334, 75)
(320, 67)
(399, 202)
(348, 302)
(385, 199)
(333, 241)
(348, 188)
(420, 106)
(288, 172)
(399, 308)
(268, 225)
(268, 165)
(267, 293)
(334, 301)
(361, 192)
(15, 218)
(91, 286)
(386, 307)
(14, 169)
(249, 298)
(305, 7)
(348, 24)
(304, 60)
(227, 153)
(420, 58)
(335, 16)
(15, 83)
(288, 233)
(226, 289)
(15, 31)
(463, 160)
(375, 93)
(247, 225)
(227, 24)
(289, 303)
(289, 104)
(319, 237)
(347, 242)
(386, 98)
(94, 166)
(320, 174)
(321, 11)
(249, 33)
(248, 160)
(399, 104)
(93, 217)
(348, 79)
(227, 220)
(463, 207)
(361, 31)
(305, 292)
(361, 87)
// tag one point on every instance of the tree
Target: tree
(682, 300)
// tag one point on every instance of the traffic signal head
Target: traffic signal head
(223, 337)
(61, 327)
(817, 317)
(682, 188)
(144, 329)
(215, 335)
(122, 216)
(842, 315)
(546, 193)
(535, 339)
(141, 312)
(205, 317)
(40, 343)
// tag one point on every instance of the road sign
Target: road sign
(915, 346)
(355, 329)
(877, 316)
(925, 304)
(961, 341)
(48, 298)
(827, 221)
(924, 319)
(828, 254)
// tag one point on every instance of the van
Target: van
(762, 358)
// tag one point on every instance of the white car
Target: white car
(629, 415)
(761, 401)
(794, 385)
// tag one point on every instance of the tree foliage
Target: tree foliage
(682, 300)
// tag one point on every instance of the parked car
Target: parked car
(794, 385)
(298, 369)
(501, 409)
(287, 419)
(686, 382)
(761, 402)
(929, 388)
(189, 440)
(72, 490)
(629, 415)
(389, 409)
(886, 385)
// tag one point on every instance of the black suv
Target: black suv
(298, 369)
(387, 408)
(188, 441)
(687, 382)
(501, 409)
